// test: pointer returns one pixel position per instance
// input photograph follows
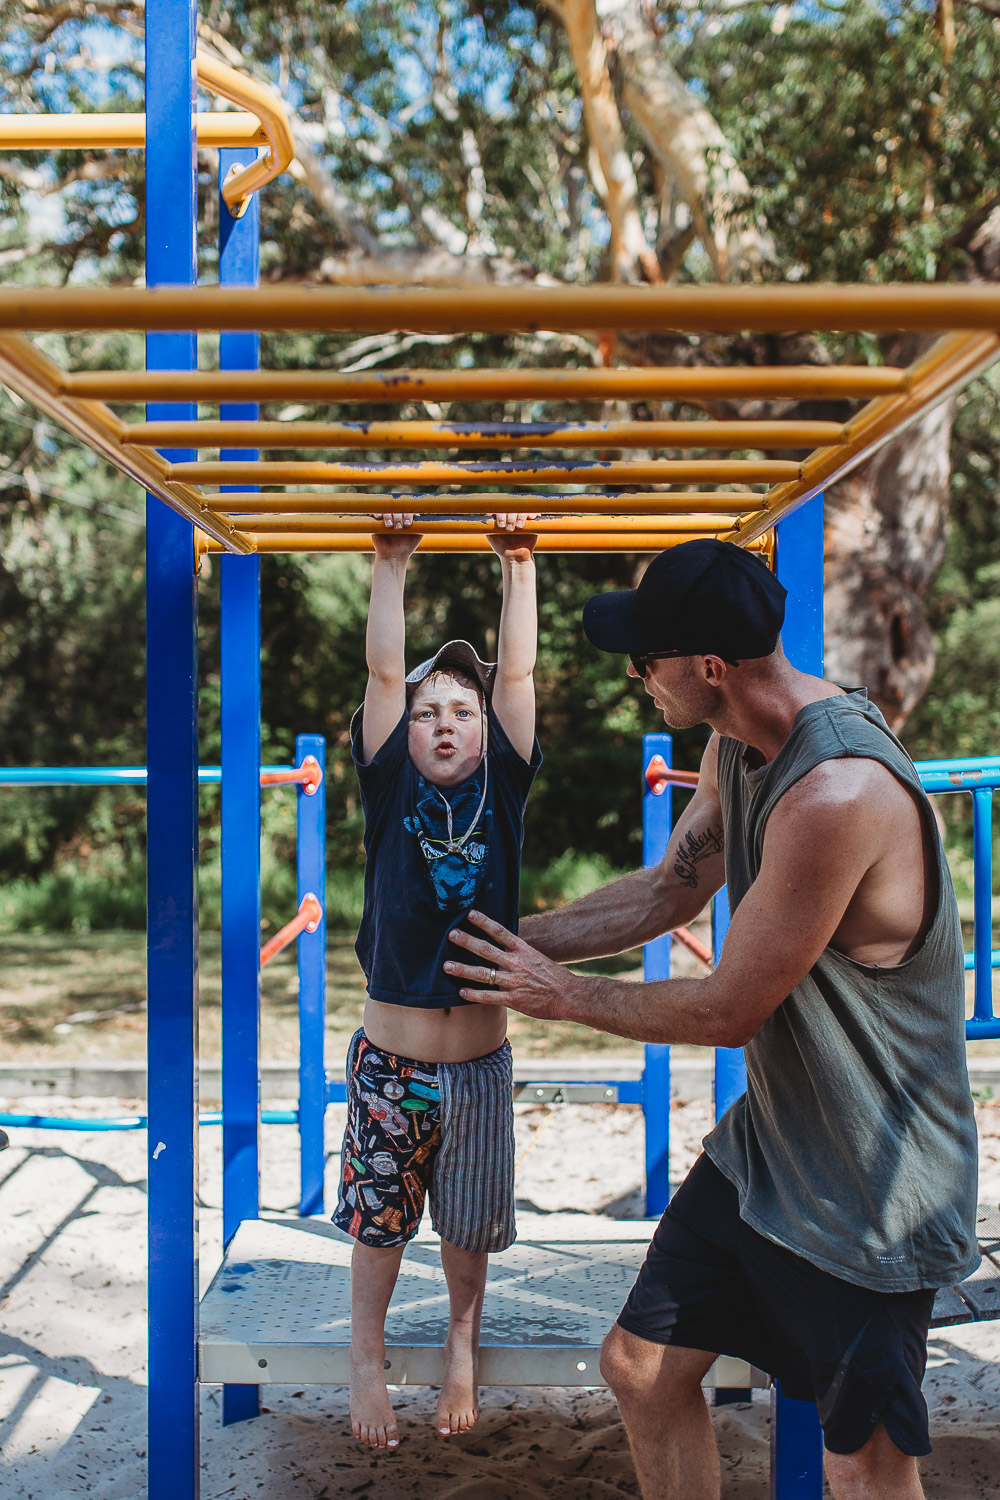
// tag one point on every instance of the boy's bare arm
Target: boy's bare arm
(640, 906)
(385, 644)
(514, 688)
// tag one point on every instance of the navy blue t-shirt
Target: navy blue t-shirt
(416, 892)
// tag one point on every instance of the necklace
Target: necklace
(454, 845)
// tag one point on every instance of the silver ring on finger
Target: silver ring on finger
(492, 980)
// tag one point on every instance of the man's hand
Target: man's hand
(517, 975)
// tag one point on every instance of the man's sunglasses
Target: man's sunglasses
(640, 664)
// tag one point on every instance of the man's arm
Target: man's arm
(385, 643)
(514, 688)
(818, 847)
(639, 907)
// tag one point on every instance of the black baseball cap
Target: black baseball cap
(702, 598)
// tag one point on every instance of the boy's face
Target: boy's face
(445, 737)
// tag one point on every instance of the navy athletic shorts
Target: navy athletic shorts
(711, 1282)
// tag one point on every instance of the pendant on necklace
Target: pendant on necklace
(453, 847)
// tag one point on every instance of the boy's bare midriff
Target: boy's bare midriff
(458, 1033)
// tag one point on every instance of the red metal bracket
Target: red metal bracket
(307, 919)
(308, 776)
(659, 776)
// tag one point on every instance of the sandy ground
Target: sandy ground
(72, 1397)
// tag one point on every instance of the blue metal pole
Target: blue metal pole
(982, 866)
(796, 1436)
(657, 816)
(239, 256)
(311, 860)
(730, 1067)
(172, 802)
(796, 1449)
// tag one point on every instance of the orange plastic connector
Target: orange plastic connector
(659, 776)
(308, 776)
(307, 919)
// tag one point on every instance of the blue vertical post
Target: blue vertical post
(796, 1436)
(730, 1083)
(172, 795)
(657, 810)
(796, 1449)
(312, 982)
(982, 878)
(239, 255)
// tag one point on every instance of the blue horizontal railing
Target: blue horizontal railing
(100, 775)
(130, 1122)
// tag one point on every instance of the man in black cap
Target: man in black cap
(838, 1192)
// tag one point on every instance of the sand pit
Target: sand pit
(72, 1335)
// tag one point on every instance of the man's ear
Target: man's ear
(715, 670)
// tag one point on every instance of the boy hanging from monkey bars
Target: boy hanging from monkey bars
(445, 757)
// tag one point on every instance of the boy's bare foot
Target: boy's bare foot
(458, 1403)
(373, 1420)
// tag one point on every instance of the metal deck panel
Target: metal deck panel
(278, 1310)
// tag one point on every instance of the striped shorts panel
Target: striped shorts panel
(472, 1180)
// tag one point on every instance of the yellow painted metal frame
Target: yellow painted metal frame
(267, 124)
(606, 499)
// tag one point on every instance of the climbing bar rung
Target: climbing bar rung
(508, 309)
(693, 945)
(308, 776)
(136, 775)
(307, 919)
(393, 387)
(601, 541)
(431, 472)
(562, 526)
(49, 132)
(371, 435)
(362, 502)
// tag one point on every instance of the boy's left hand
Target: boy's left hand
(514, 520)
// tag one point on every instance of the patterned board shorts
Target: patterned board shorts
(415, 1128)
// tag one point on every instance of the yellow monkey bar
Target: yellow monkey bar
(598, 494)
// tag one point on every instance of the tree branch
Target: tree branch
(615, 179)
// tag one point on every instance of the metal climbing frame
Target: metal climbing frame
(240, 930)
(737, 488)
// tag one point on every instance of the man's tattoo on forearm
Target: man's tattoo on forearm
(696, 847)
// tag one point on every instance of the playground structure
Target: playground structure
(596, 504)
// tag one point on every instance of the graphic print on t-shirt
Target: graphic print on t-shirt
(454, 848)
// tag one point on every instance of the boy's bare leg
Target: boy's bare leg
(373, 1276)
(458, 1403)
(658, 1389)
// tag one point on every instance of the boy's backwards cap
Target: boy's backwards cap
(455, 656)
(702, 598)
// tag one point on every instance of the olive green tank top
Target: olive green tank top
(855, 1143)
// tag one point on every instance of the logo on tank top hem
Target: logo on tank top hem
(890, 1260)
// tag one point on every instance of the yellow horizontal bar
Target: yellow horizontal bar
(30, 373)
(650, 435)
(121, 132)
(591, 542)
(344, 502)
(654, 471)
(948, 366)
(561, 526)
(507, 309)
(797, 382)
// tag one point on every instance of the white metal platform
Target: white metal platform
(278, 1310)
